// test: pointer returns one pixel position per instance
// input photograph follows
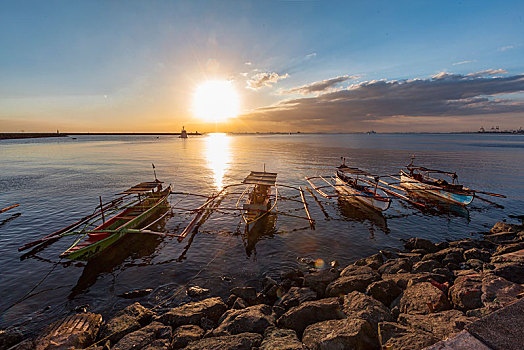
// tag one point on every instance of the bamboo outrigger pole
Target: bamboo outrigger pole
(9, 208)
(311, 221)
(318, 202)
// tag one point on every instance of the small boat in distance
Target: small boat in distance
(257, 201)
(183, 133)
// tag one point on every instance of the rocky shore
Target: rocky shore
(408, 299)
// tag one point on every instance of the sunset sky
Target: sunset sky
(327, 66)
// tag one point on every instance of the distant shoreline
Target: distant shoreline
(27, 135)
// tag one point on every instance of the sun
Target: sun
(215, 101)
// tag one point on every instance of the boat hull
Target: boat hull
(380, 205)
(421, 188)
(88, 252)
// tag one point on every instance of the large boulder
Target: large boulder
(404, 279)
(183, 335)
(426, 266)
(296, 296)
(359, 305)
(475, 253)
(344, 285)
(466, 292)
(512, 271)
(249, 294)
(309, 312)
(384, 291)
(349, 333)
(373, 261)
(441, 324)
(280, 339)
(353, 270)
(75, 331)
(504, 227)
(154, 333)
(242, 341)
(420, 243)
(395, 336)
(192, 313)
(498, 292)
(126, 321)
(319, 280)
(423, 298)
(253, 319)
(508, 248)
(396, 266)
(452, 253)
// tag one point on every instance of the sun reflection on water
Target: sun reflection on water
(218, 154)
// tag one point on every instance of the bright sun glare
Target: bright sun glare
(215, 101)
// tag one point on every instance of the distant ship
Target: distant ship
(372, 132)
(183, 134)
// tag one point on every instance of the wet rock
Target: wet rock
(426, 266)
(373, 261)
(403, 279)
(239, 304)
(280, 339)
(319, 280)
(340, 334)
(253, 319)
(306, 261)
(419, 252)
(466, 292)
(454, 254)
(10, 337)
(309, 312)
(278, 311)
(503, 227)
(444, 271)
(334, 264)
(243, 341)
(191, 313)
(79, 330)
(291, 274)
(441, 245)
(296, 296)
(196, 291)
(441, 324)
(359, 305)
(498, 292)
(517, 256)
(249, 294)
(185, 334)
(512, 271)
(475, 253)
(231, 301)
(344, 285)
(384, 291)
(388, 254)
(466, 244)
(395, 336)
(420, 243)
(396, 266)
(353, 270)
(474, 264)
(137, 293)
(145, 337)
(126, 321)
(423, 298)
(508, 248)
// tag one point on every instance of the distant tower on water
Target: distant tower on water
(183, 134)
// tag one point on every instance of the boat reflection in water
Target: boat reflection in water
(355, 210)
(262, 229)
(439, 207)
(134, 247)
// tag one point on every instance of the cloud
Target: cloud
(318, 86)
(264, 79)
(461, 62)
(504, 48)
(313, 54)
(381, 101)
(248, 63)
(487, 72)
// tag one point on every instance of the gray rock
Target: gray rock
(384, 291)
(420, 243)
(395, 336)
(145, 337)
(280, 339)
(403, 279)
(253, 319)
(319, 280)
(126, 321)
(354, 334)
(79, 330)
(309, 312)
(296, 296)
(426, 266)
(347, 284)
(359, 305)
(395, 266)
(423, 298)
(191, 313)
(243, 341)
(498, 292)
(466, 292)
(185, 334)
(196, 291)
(475, 253)
(353, 270)
(373, 261)
(441, 324)
(512, 271)
(249, 294)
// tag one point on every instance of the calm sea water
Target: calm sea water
(57, 181)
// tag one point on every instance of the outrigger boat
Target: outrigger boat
(151, 200)
(258, 201)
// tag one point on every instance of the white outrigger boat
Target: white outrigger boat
(258, 201)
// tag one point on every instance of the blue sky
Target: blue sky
(133, 66)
